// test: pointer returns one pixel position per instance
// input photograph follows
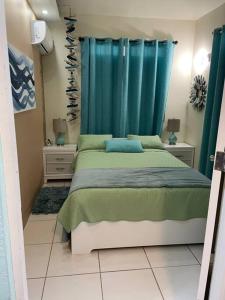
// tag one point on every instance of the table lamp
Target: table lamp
(173, 125)
(59, 127)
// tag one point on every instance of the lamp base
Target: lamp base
(172, 138)
(60, 139)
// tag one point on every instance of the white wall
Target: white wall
(99, 26)
(203, 39)
(55, 81)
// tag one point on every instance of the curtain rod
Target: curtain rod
(220, 29)
(133, 40)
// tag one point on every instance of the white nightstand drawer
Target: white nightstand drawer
(59, 168)
(58, 162)
(188, 162)
(51, 158)
(182, 154)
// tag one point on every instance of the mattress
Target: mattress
(131, 204)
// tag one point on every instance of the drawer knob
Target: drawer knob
(60, 169)
(59, 158)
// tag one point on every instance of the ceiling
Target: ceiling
(163, 9)
(49, 6)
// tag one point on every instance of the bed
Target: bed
(104, 216)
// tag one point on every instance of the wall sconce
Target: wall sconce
(185, 63)
(201, 61)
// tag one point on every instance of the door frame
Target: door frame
(10, 168)
(217, 288)
(212, 212)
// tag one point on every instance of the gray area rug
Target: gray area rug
(49, 200)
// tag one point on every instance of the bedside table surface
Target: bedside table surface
(67, 147)
(178, 145)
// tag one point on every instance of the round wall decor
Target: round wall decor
(198, 93)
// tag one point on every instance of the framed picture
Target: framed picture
(22, 80)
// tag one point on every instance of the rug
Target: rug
(50, 200)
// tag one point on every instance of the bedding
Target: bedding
(138, 178)
(131, 203)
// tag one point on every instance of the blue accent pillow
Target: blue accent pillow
(128, 146)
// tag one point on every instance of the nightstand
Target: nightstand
(182, 151)
(58, 161)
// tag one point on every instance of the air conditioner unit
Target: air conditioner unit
(41, 37)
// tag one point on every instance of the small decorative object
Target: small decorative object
(22, 80)
(48, 142)
(72, 65)
(173, 125)
(59, 126)
(198, 93)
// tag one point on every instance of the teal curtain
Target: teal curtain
(124, 85)
(213, 102)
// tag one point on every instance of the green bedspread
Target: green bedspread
(132, 204)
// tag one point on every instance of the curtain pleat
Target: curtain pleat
(213, 102)
(127, 85)
(164, 66)
(93, 101)
(148, 88)
(134, 84)
(85, 54)
(120, 98)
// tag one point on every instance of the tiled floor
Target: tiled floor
(137, 273)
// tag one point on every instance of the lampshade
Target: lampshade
(173, 125)
(59, 125)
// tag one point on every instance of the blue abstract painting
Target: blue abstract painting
(22, 80)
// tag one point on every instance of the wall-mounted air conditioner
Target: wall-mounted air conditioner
(41, 37)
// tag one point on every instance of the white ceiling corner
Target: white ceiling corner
(162, 9)
(49, 5)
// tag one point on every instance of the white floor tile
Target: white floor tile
(197, 250)
(37, 257)
(35, 287)
(166, 256)
(178, 283)
(123, 259)
(63, 262)
(60, 235)
(79, 287)
(130, 285)
(42, 217)
(39, 232)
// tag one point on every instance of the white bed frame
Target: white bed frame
(87, 237)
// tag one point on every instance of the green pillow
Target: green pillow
(120, 145)
(148, 141)
(92, 141)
